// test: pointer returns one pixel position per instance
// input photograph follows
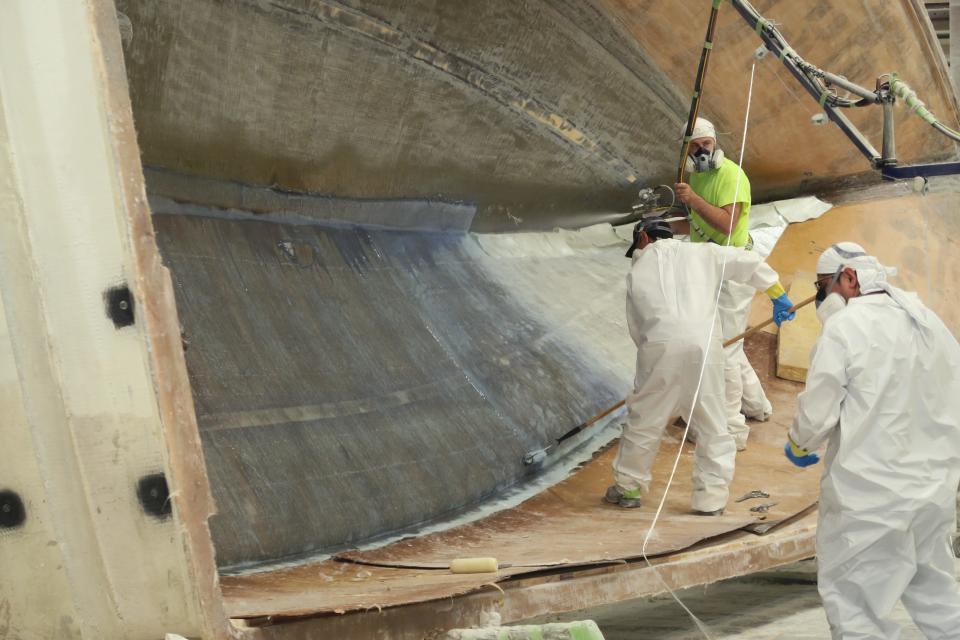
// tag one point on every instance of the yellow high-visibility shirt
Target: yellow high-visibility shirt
(719, 188)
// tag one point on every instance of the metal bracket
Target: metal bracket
(923, 170)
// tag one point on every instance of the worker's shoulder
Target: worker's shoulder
(663, 244)
(727, 251)
(666, 250)
(683, 248)
(859, 313)
(730, 168)
(850, 322)
(662, 249)
(703, 253)
(871, 317)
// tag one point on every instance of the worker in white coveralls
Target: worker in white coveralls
(718, 197)
(883, 390)
(671, 293)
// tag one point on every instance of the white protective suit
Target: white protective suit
(743, 389)
(671, 290)
(884, 389)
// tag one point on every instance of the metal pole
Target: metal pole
(889, 156)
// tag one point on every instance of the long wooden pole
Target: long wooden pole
(698, 87)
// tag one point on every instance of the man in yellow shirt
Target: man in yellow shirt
(718, 197)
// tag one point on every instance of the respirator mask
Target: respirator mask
(703, 160)
(824, 291)
(829, 303)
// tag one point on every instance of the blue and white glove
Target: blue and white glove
(798, 456)
(781, 309)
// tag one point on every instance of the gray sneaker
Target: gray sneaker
(622, 498)
(718, 512)
(764, 415)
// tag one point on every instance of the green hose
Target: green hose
(900, 89)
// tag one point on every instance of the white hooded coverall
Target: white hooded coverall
(884, 389)
(744, 393)
(671, 292)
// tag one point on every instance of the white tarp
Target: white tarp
(768, 221)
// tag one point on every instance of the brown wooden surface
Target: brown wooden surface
(796, 338)
(341, 587)
(527, 596)
(852, 39)
(280, 598)
(915, 233)
(570, 524)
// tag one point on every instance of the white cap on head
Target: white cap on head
(838, 255)
(872, 277)
(702, 128)
(871, 274)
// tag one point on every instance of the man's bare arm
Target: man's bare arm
(717, 217)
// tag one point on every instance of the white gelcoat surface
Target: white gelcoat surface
(86, 386)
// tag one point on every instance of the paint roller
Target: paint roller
(475, 565)
(539, 455)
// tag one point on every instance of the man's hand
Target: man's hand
(720, 218)
(685, 193)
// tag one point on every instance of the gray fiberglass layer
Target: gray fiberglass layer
(350, 383)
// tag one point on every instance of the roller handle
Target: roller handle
(752, 330)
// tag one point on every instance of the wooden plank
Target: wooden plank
(796, 337)
(522, 597)
(570, 524)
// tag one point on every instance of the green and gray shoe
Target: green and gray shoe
(622, 497)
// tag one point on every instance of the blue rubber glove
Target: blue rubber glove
(781, 309)
(798, 456)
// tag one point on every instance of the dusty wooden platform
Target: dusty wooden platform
(569, 524)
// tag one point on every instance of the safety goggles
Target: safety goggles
(825, 284)
(821, 283)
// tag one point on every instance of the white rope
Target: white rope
(656, 517)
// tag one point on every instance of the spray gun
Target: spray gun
(648, 202)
